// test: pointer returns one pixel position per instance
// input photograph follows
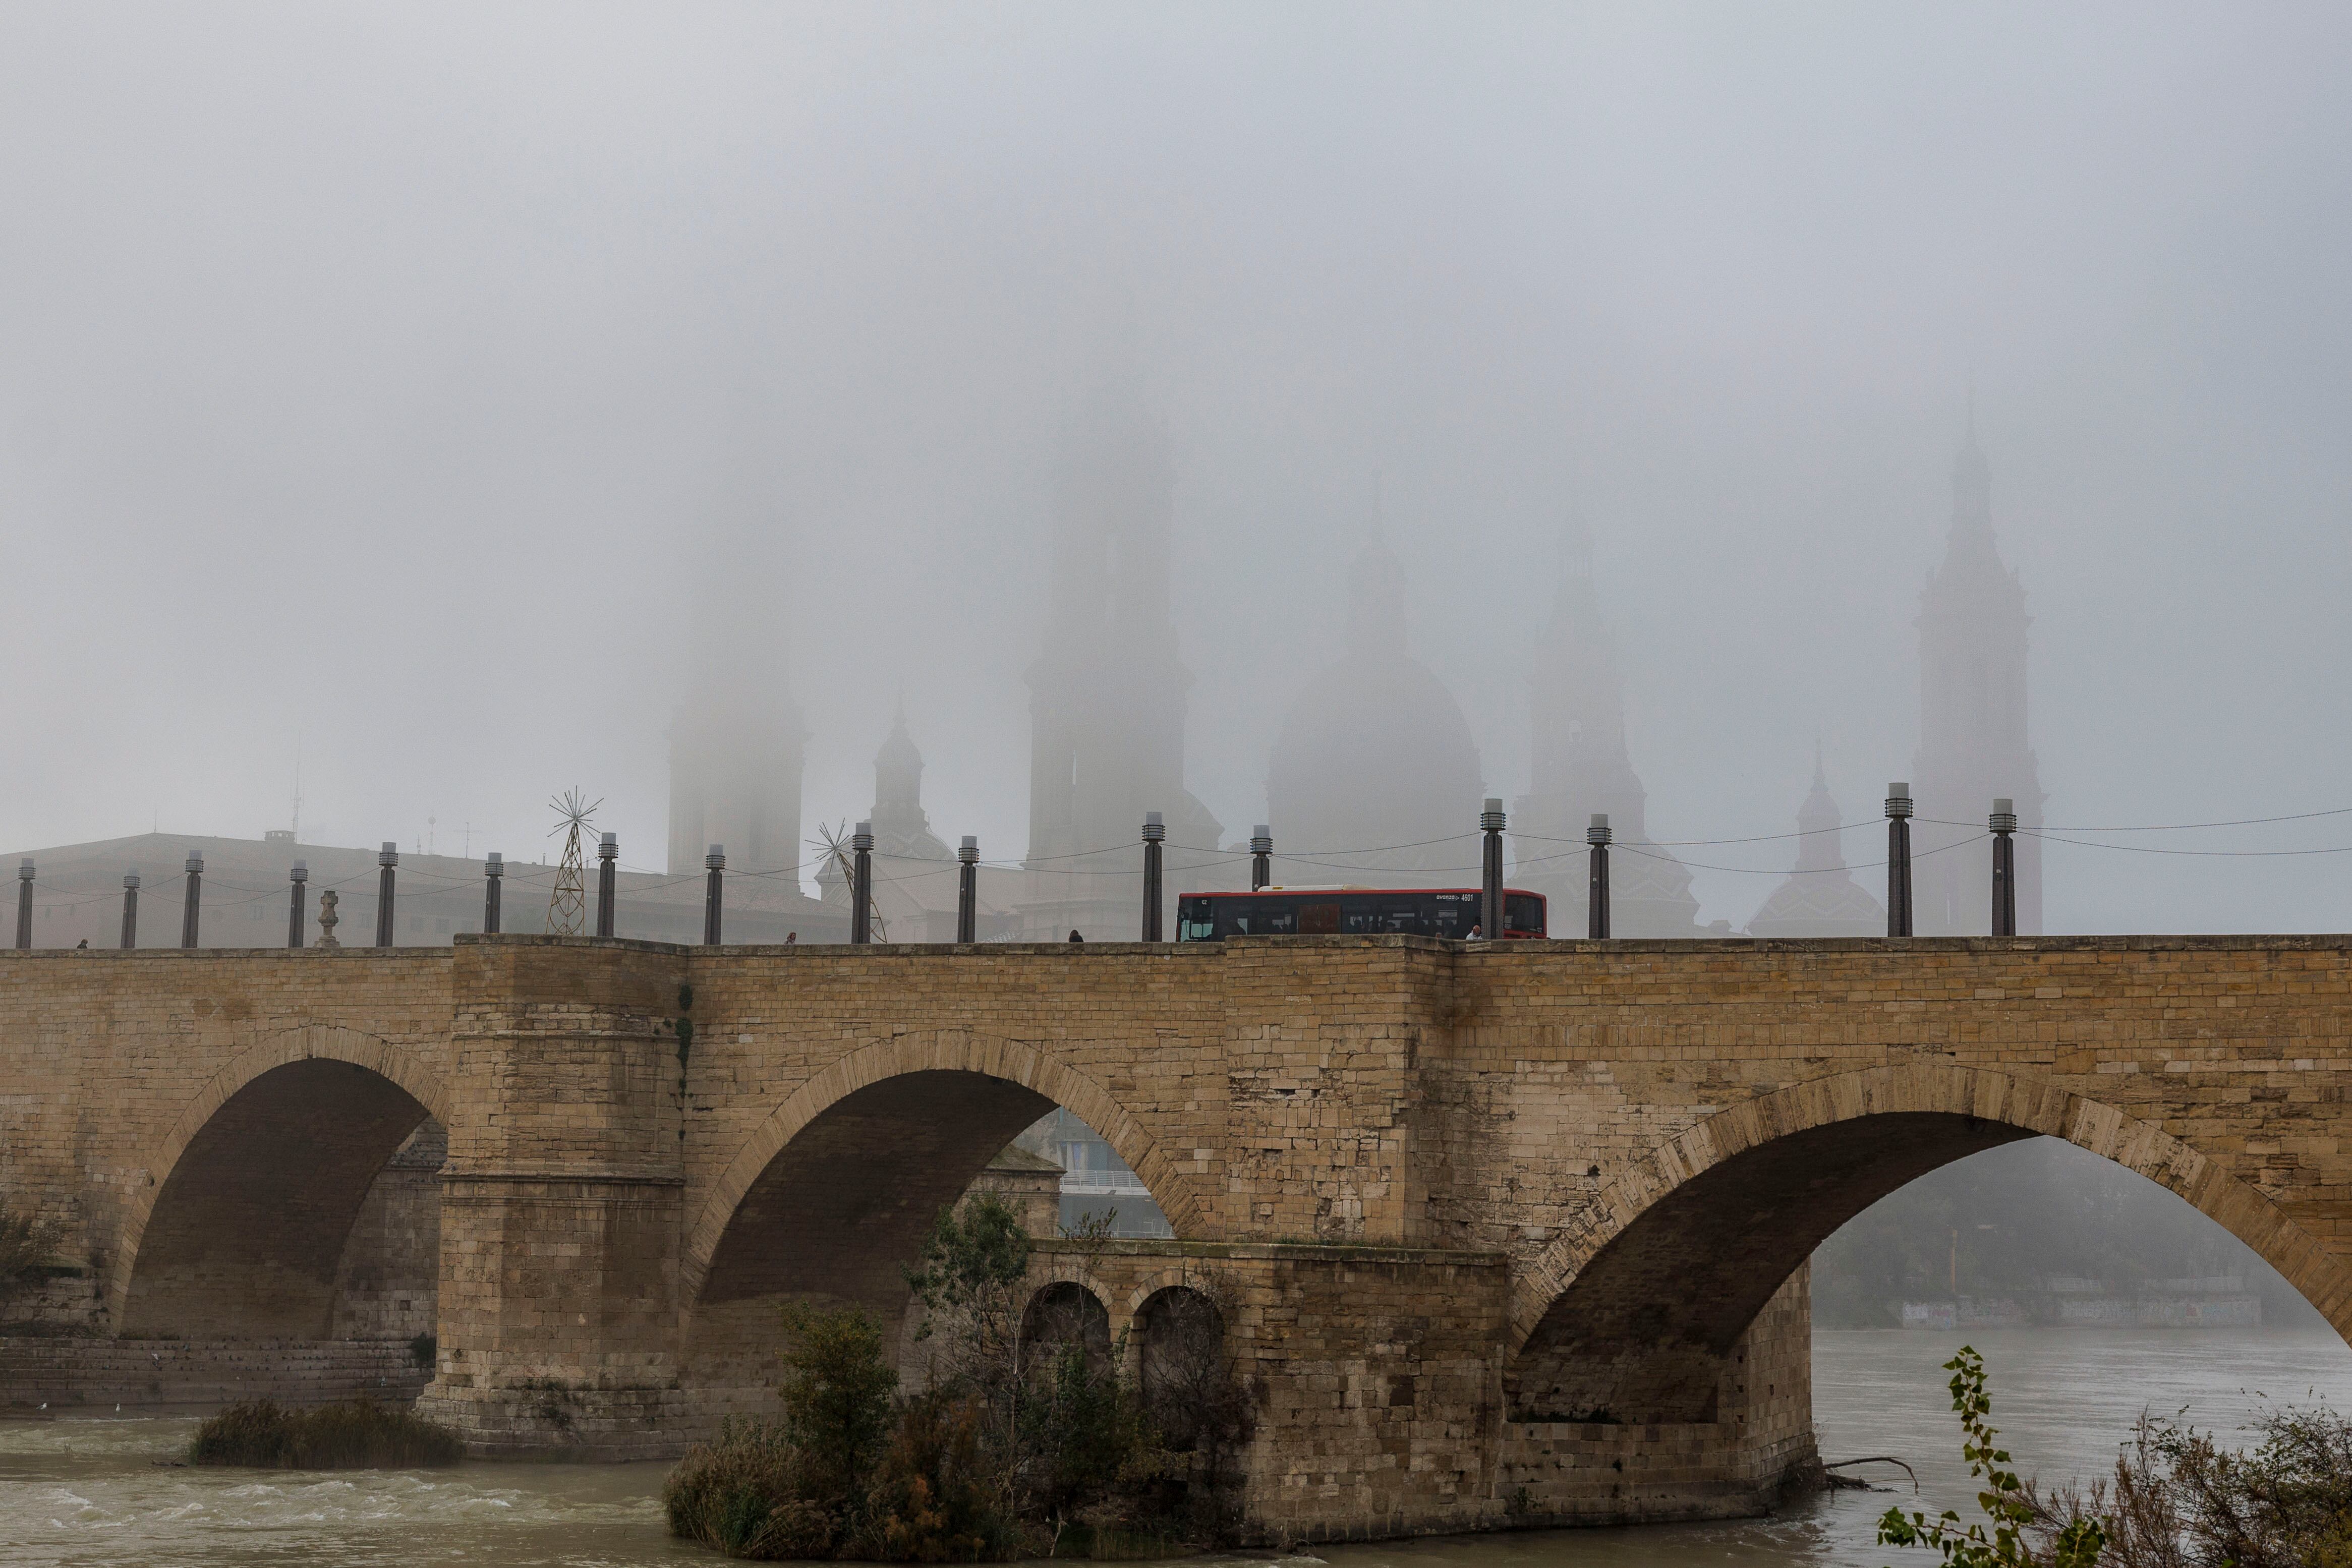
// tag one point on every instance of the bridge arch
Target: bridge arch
(1634, 1308)
(251, 1194)
(789, 1214)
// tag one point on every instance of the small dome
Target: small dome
(1821, 897)
(1375, 753)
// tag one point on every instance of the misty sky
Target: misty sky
(404, 382)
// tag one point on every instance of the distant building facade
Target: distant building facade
(735, 770)
(1973, 735)
(1577, 715)
(77, 896)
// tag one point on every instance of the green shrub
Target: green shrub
(2009, 1503)
(837, 1390)
(746, 1495)
(358, 1434)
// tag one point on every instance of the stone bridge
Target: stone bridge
(1503, 1233)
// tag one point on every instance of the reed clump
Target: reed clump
(358, 1434)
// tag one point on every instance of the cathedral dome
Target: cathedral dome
(1375, 753)
(1821, 897)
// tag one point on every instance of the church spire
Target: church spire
(1972, 484)
(1818, 847)
(1974, 743)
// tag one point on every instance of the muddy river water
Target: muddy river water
(86, 1490)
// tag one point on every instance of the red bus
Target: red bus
(1447, 912)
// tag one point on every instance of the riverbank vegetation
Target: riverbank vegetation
(358, 1434)
(1031, 1435)
(2179, 1498)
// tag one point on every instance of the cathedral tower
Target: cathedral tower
(1374, 777)
(1580, 766)
(735, 740)
(1107, 692)
(1973, 719)
(735, 780)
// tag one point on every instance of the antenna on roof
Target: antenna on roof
(567, 907)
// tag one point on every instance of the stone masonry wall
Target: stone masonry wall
(68, 1373)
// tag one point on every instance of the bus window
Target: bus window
(1196, 921)
(1452, 915)
(1258, 917)
(1318, 920)
(1523, 913)
(1382, 916)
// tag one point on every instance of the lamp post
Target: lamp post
(131, 910)
(194, 904)
(714, 868)
(861, 884)
(1597, 903)
(1261, 857)
(298, 889)
(494, 877)
(1490, 882)
(2004, 823)
(24, 905)
(608, 855)
(968, 890)
(387, 858)
(1898, 859)
(1155, 834)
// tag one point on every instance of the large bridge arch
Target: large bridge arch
(250, 1196)
(834, 1190)
(1633, 1308)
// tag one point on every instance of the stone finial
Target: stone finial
(328, 918)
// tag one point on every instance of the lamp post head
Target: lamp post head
(195, 864)
(1598, 833)
(862, 838)
(1491, 819)
(2004, 815)
(1154, 827)
(302, 872)
(1262, 840)
(1898, 799)
(389, 854)
(609, 847)
(968, 852)
(716, 859)
(130, 879)
(25, 869)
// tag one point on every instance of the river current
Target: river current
(88, 1490)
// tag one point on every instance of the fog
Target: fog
(431, 394)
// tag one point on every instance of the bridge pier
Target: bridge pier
(561, 1204)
